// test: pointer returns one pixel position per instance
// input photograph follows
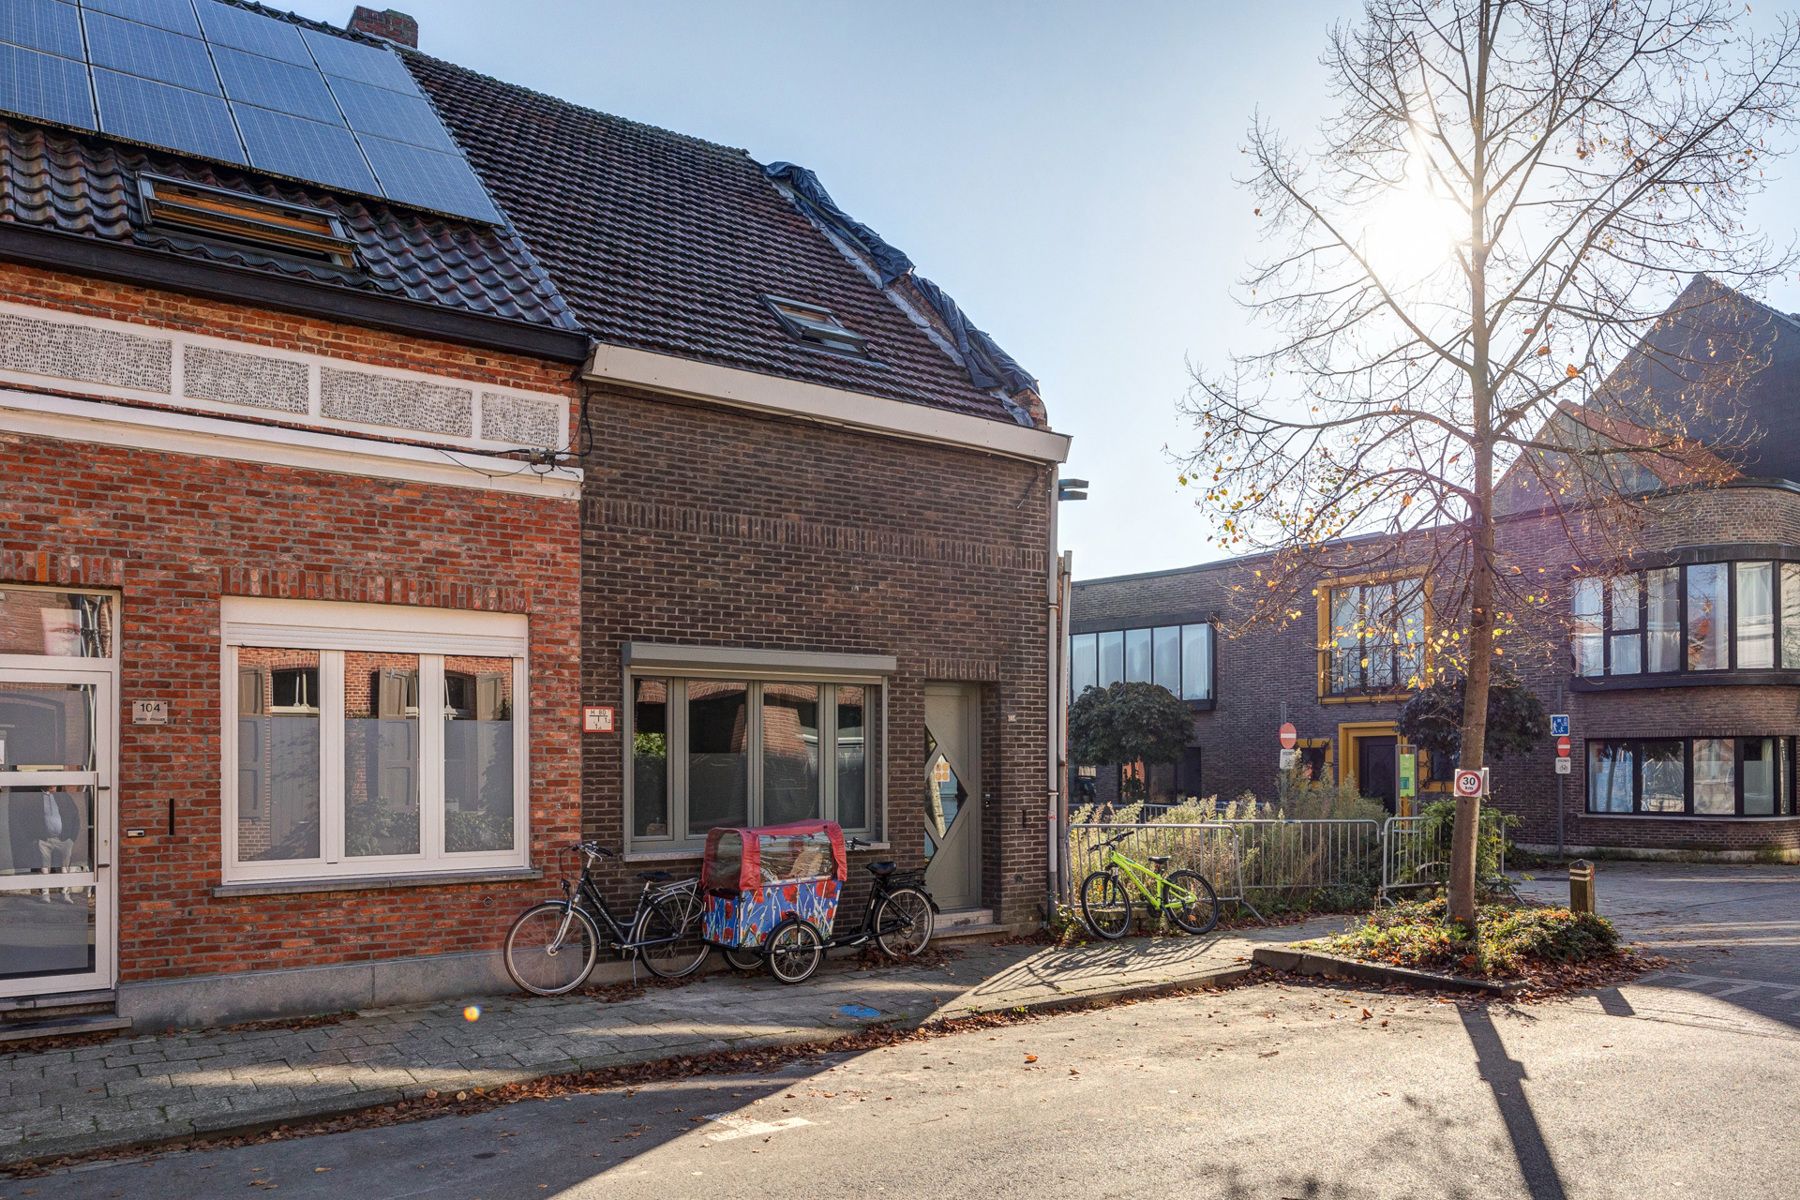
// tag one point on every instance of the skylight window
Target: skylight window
(816, 326)
(290, 229)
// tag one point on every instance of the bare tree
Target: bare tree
(1505, 201)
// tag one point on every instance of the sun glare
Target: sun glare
(1413, 230)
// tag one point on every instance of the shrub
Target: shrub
(1509, 939)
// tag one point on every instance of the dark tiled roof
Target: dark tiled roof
(86, 185)
(668, 243)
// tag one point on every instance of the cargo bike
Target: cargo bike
(769, 897)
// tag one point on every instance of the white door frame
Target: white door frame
(103, 676)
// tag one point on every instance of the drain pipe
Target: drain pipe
(1053, 708)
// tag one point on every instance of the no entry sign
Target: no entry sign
(1290, 736)
(1562, 747)
(1468, 784)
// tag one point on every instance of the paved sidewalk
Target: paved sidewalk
(136, 1090)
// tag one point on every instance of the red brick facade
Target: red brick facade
(173, 533)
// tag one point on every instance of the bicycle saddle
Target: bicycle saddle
(880, 869)
(654, 876)
(1158, 860)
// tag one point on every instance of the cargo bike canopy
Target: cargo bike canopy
(754, 878)
(741, 859)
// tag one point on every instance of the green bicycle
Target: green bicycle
(1185, 897)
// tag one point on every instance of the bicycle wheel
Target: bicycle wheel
(744, 958)
(1191, 902)
(1105, 906)
(794, 951)
(551, 948)
(904, 923)
(667, 936)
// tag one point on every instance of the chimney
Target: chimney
(389, 23)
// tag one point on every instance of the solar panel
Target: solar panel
(212, 79)
(269, 83)
(227, 25)
(414, 175)
(150, 53)
(177, 15)
(354, 60)
(42, 25)
(42, 84)
(155, 113)
(290, 145)
(390, 115)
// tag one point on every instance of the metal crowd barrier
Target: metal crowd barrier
(1214, 848)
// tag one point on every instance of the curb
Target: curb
(199, 1130)
(1310, 962)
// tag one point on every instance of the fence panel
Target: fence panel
(1413, 855)
(1310, 855)
(1214, 849)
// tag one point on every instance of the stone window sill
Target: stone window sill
(370, 883)
(1718, 820)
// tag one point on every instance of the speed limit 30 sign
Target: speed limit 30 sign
(1470, 784)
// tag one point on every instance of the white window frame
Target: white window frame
(332, 629)
(678, 666)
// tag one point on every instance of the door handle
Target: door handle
(103, 822)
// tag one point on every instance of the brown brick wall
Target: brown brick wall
(711, 526)
(172, 533)
(1266, 666)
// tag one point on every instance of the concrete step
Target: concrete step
(964, 916)
(53, 1025)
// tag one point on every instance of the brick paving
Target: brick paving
(133, 1090)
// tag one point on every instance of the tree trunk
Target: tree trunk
(1465, 833)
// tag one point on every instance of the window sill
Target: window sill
(1751, 677)
(369, 883)
(1728, 818)
(1383, 698)
(688, 854)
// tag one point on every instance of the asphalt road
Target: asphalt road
(1682, 1084)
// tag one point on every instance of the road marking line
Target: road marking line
(743, 1127)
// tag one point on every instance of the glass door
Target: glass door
(56, 831)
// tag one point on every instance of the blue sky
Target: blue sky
(1063, 169)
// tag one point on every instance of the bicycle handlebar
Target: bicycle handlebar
(594, 850)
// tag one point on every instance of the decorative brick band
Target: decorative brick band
(429, 592)
(972, 670)
(859, 541)
(70, 570)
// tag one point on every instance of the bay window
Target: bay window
(371, 740)
(1694, 777)
(754, 747)
(1703, 617)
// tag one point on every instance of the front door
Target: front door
(953, 794)
(1377, 760)
(56, 878)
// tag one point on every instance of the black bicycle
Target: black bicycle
(899, 917)
(552, 947)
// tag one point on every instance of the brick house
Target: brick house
(1679, 670)
(364, 420)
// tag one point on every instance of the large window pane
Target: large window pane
(790, 752)
(1588, 623)
(64, 624)
(650, 757)
(1112, 658)
(277, 754)
(46, 830)
(718, 763)
(1627, 643)
(1137, 656)
(46, 726)
(1409, 634)
(1611, 776)
(1196, 662)
(1790, 616)
(47, 932)
(1708, 617)
(1084, 666)
(1755, 614)
(1345, 639)
(853, 756)
(381, 754)
(478, 754)
(1381, 619)
(1665, 776)
(1662, 632)
(1762, 782)
(1715, 785)
(1165, 654)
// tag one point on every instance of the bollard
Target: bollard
(1581, 886)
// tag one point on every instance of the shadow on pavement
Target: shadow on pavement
(1505, 1077)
